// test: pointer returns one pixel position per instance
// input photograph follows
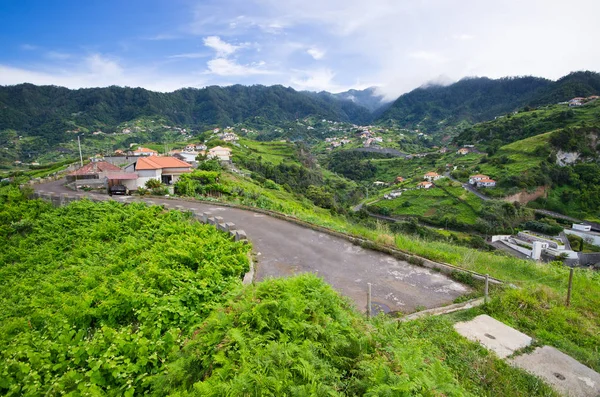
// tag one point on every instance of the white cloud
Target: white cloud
(315, 80)
(190, 55)
(58, 55)
(428, 56)
(222, 48)
(227, 67)
(463, 37)
(98, 71)
(316, 53)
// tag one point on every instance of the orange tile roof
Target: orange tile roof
(425, 183)
(156, 163)
(479, 176)
(432, 174)
(487, 180)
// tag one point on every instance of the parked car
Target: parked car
(118, 189)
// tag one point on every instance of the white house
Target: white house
(486, 182)
(473, 179)
(463, 151)
(432, 176)
(221, 153)
(393, 194)
(165, 169)
(424, 185)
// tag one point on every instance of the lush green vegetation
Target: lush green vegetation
(447, 202)
(298, 337)
(528, 123)
(46, 113)
(94, 298)
(106, 299)
(433, 108)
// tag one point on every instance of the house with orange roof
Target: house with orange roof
(143, 151)
(432, 176)
(473, 179)
(165, 169)
(424, 185)
(399, 179)
(463, 151)
(486, 182)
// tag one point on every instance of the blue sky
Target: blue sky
(307, 44)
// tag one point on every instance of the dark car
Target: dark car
(118, 189)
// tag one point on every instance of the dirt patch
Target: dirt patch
(430, 212)
(524, 197)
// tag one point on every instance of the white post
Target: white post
(80, 156)
(369, 301)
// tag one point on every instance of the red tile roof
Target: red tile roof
(96, 167)
(432, 174)
(480, 176)
(487, 180)
(156, 163)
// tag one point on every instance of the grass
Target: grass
(435, 203)
(273, 152)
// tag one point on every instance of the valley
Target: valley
(304, 175)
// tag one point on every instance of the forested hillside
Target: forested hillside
(433, 108)
(49, 111)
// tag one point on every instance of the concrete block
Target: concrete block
(212, 221)
(179, 208)
(565, 374)
(219, 219)
(240, 235)
(493, 335)
(221, 227)
(64, 199)
(229, 226)
(206, 216)
(232, 234)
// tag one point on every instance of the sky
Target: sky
(333, 45)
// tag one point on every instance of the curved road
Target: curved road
(284, 248)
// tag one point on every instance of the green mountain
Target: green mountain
(368, 98)
(528, 123)
(433, 108)
(49, 111)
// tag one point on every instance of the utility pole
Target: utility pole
(80, 155)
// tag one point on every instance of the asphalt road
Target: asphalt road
(283, 248)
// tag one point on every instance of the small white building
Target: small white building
(220, 153)
(424, 185)
(583, 227)
(393, 194)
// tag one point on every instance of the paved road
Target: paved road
(284, 248)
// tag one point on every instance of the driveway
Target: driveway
(283, 248)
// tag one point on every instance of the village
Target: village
(124, 172)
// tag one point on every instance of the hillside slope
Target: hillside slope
(49, 111)
(435, 107)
